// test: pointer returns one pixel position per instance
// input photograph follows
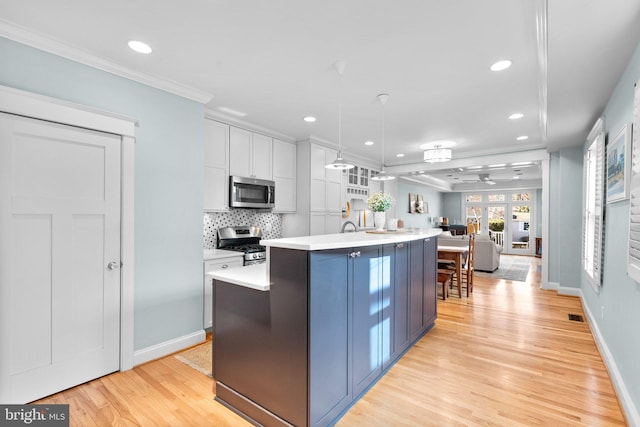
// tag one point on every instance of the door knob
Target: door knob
(113, 265)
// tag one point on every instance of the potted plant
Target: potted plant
(380, 203)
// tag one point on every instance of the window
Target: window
(496, 197)
(473, 198)
(592, 210)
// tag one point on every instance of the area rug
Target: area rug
(199, 358)
(511, 268)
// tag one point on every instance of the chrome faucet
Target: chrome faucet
(355, 227)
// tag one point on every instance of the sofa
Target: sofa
(487, 253)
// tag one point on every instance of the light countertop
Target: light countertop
(251, 276)
(348, 240)
(210, 254)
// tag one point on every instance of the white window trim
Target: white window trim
(594, 252)
(633, 247)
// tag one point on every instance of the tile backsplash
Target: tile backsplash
(271, 223)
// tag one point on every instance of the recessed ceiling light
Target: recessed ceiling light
(309, 119)
(516, 116)
(233, 112)
(139, 46)
(522, 138)
(368, 143)
(501, 65)
(399, 155)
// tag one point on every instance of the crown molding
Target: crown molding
(234, 121)
(49, 44)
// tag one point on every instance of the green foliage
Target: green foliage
(496, 225)
(380, 202)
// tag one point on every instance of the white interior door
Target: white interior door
(60, 228)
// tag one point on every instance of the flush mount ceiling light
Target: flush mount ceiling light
(438, 151)
(522, 138)
(383, 176)
(369, 143)
(501, 65)
(339, 162)
(309, 119)
(516, 116)
(399, 155)
(139, 46)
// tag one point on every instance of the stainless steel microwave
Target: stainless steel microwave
(251, 193)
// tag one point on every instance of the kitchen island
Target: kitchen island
(339, 310)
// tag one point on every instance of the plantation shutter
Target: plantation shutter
(593, 186)
(633, 265)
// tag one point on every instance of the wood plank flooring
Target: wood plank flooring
(505, 356)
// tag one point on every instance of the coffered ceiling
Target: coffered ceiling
(270, 63)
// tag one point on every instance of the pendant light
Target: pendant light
(383, 176)
(339, 163)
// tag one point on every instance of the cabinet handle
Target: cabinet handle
(400, 245)
(225, 266)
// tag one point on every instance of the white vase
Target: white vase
(379, 219)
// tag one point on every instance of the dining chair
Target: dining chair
(467, 268)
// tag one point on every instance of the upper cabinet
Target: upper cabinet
(284, 175)
(251, 154)
(216, 166)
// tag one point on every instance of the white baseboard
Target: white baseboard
(165, 348)
(570, 291)
(628, 407)
(550, 286)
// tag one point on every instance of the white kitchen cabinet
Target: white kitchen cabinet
(216, 166)
(212, 265)
(284, 175)
(324, 223)
(319, 193)
(251, 154)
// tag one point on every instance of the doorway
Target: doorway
(66, 270)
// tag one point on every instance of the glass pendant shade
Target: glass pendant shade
(383, 176)
(339, 163)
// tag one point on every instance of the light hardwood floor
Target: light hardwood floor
(505, 356)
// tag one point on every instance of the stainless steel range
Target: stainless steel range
(243, 239)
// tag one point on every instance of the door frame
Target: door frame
(27, 104)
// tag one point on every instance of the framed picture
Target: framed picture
(619, 165)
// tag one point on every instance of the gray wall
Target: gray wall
(452, 207)
(570, 216)
(432, 197)
(620, 295)
(168, 297)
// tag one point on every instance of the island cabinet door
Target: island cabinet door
(416, 289)
(330, 389)
(430, 280)
(395, 301)
(366, 276)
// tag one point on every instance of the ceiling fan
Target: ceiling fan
(484, 177)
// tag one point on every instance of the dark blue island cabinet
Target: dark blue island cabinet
(355, 310)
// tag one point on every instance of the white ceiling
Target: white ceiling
(273, 60)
